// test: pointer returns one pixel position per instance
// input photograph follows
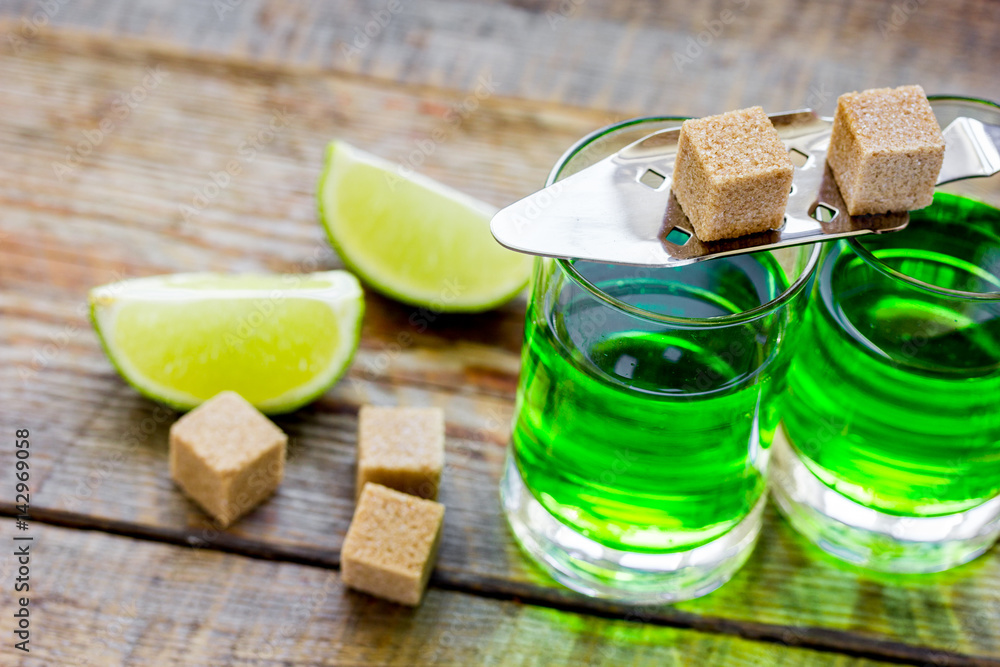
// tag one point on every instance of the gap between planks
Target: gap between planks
(817, 639)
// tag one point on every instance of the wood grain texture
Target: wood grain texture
(100, 456)
(646, 57)
(90, 605)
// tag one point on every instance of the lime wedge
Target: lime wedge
(414, 239)
(278, 340)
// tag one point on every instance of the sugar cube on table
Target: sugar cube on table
(227, 456)
(391, 544)
(401, 448)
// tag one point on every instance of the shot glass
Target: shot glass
(889, 451)
(646, 409)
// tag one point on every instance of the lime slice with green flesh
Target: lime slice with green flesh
(278, 340)
(414, 239)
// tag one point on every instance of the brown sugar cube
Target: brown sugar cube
(732, 175)
(391, 544)
(402, 448)
(226, 456)
(886, 150)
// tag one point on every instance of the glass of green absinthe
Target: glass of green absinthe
(889, 452)
(646, 409)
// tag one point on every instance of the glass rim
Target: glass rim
(874, 262)
(755, 313)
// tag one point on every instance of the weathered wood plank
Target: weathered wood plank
(633, 58)
(91, 605)
(118, 213)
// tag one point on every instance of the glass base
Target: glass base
(863, 536)
(599, 571)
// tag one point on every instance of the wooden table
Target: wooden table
(114, 117)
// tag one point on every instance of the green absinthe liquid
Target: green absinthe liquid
(641, 436)
(894, 392)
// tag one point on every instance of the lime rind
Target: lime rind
(338, 290)
(509, 276)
